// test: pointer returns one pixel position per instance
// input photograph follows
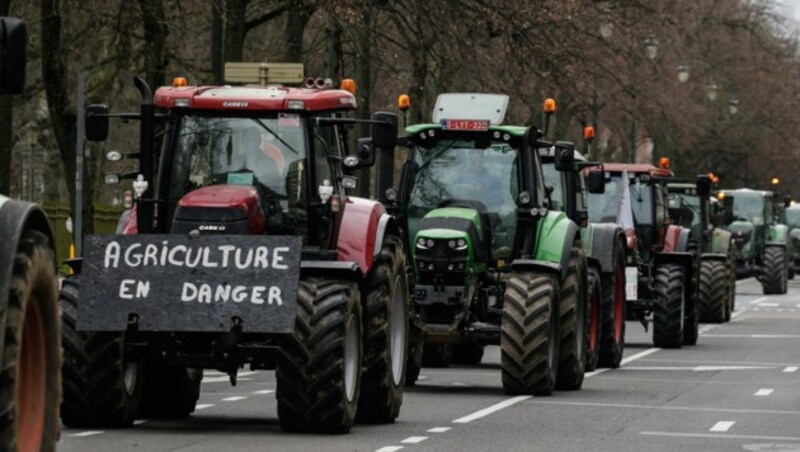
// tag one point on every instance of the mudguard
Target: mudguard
(606, 237)
(556, 235)
(776, 234)
(681, 258)
(720, 241)
(359, 232)
(673, 239)
(714, 257)
(334, 269)
(15, 218)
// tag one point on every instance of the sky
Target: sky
(792, 8)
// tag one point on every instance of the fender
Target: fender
(776, 234)
(607, 236)
(387, 224)
(344, 270)
(358, 232)
(15, 218)
(557, 233)
(672, 239)
(681, 258)
(720, 241)
(714, 257)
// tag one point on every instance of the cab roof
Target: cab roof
(254, 98)
(637, 168)
(512, 130)
(747, 192)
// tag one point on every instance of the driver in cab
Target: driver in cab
(483, 181)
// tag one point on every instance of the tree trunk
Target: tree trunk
(299, 13)
(333, 62)
(6, 124)
(419, 74)
(155, 37)
(62, 117)
(235, 29)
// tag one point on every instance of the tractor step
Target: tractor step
(484, 333)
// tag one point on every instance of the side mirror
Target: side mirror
(727, 210)
(13, 56)
(596, 182)
(787, 200)
(365, 151)
(703, 186)
(565, 156)
(384, 132)
(96, 122)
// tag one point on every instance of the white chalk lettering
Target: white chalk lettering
(262, 257)
(206, 262)
(112, 255)
(239, 294)
(257, 298)
(226, 249)
(189, 292)
(243, 265)
(142, 289)
(174, 260)
(125, 289)
(150, 255)
(204, 294)
(137, 258)
(275, 296)
(164, 252)
(189, 262)
(223, 292)
(277, 258)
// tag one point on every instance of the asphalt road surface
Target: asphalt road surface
(738, 389)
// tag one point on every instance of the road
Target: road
(738, 389)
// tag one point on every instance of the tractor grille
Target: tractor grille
(209, 220)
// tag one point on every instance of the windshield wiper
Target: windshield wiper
(265, 127)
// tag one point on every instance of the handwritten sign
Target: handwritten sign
(178, 283)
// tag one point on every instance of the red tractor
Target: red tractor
(243, 249)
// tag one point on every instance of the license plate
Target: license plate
(631, 283)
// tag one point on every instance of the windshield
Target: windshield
(604, 207)
(748, 207)
(689, 207)
(793, 217)
(552, 178)
(267, 153)
(459, 170)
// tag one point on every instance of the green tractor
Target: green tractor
(493, 262)
(690, 206)
(604, 244)
(793, 222)
(760, 239)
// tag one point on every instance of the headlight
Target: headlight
(462, 245)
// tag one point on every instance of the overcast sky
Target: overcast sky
(792, 8)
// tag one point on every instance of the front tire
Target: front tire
(319, 365)
(775, 270)
(30, 386)
(593, 326)
(385, 336)
(100, 388)
(668, 315)
(612, 312)
(713, 293)
(529, 340)
(572, 318)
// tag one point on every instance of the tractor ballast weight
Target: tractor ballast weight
(243, 249)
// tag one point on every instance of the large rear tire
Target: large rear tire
(670, 296)
(612, 312)
(319, 366)
(572, 326)
(593, 325)
(713, 292)
(30, 386)
(416, 347)
(774, 280)
(170, 392)
(100, 388)
(385, 336)
(529, 340)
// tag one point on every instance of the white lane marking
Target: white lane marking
(223, 379)
(764, 392)
(736, 314)
(696, 368)
(769, 305)
(139, 421)
(758, 300)
(87, 433)
(234, 398)
(790, 369)
(216, 373)
(458, 383)
(203, 406)
(758, 336)
(438, 429)
(596, 372)
(627, 406)
(414, 439)
(719, 435)
(422, 377)
(264, 391)
(489, 410)
(705, 329)
(389, 449)
(722, 426)
(639, 355)
(741, 281)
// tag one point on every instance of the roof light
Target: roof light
(663, 163)
(588, 133)
(403, 102)
(296, 105)
(349, 85)
(721, 195)
(183, 102)
(775, 181)
(178, 82)
(549, 106)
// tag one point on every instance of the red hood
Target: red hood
(223, 196)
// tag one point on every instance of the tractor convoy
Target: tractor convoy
(244, 249)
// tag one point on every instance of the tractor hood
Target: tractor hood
(222, 209)
(451, 229)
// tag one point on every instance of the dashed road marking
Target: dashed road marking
(722, 426)
(768, 305)
(438, 429)
(389, 449)
(758, 300)
(264, 391)
(139, 421)
(790, 369)
(87, 433)
(629, 406)
(719, 435)
(758, 336)
(414, 439)
(639, 355)
(764, 392)
(203, 406)
(489, 410)
(234, 398)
